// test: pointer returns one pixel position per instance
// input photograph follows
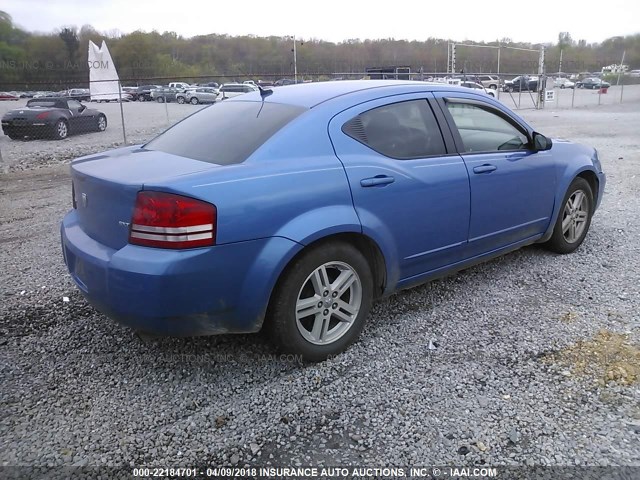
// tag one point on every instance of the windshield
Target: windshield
(226, 132)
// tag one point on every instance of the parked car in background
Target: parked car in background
(198, 95)
(181, 86)
(522, 83)
(563, 83)
(229, 90)
(80, 94)
(132, 91)
(124, 96)
(283, 82)
(143, 93)
(634, 73)
(42, 94)
(592, 83)
(8, 96)
(53, 117)
(164, 94)
(477, 86)
(293, 211)
(488, 81)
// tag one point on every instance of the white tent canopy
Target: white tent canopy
(103, 77)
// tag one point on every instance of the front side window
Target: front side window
(402, 130)
(483, 130)
(74, 104)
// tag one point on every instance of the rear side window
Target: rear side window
(402, 130)
(226, 132)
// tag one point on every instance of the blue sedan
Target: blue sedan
(293, 209)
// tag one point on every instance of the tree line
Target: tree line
(60, 57)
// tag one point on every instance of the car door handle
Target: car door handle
(377, 180)
(484, 168)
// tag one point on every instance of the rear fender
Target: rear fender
(321, 222)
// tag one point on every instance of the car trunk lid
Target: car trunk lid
(105, 188)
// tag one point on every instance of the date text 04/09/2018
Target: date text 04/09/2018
(311, 472)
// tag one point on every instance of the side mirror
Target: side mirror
(540, 142)
(82, 108)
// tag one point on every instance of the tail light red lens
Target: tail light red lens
(166, 220)
(43, 115)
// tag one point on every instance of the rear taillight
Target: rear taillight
(166, 220)
(43, 115)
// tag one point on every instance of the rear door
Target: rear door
(512, 185)
(410, 189)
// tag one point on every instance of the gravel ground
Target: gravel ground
(463, 371)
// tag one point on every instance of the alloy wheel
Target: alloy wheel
(575, 216)
(328, 303)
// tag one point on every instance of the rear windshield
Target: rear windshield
(42, 103)
(226, 132)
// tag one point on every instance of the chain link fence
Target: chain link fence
(46, 123)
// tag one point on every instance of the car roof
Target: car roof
(311, 94)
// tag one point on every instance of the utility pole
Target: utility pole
(560, 65)
(621, 66)
(295, 60)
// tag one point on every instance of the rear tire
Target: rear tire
(194, 101)
(321, 302)
(180, 100)
(574, 219)
(160, 99)
(61, 130)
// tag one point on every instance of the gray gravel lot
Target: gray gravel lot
(460, 371)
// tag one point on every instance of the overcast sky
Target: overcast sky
(338, 20)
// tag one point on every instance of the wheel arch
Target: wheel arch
(592, 179)
(363, 243)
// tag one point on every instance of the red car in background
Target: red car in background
(8, 96)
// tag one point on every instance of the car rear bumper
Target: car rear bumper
(204, 291)
(28, 130)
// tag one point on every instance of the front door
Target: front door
(512, 185)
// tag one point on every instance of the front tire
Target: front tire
(574, 219)
(321, 302)
(160, 99)
(180, 100)
(101, 124)
(194, 101)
